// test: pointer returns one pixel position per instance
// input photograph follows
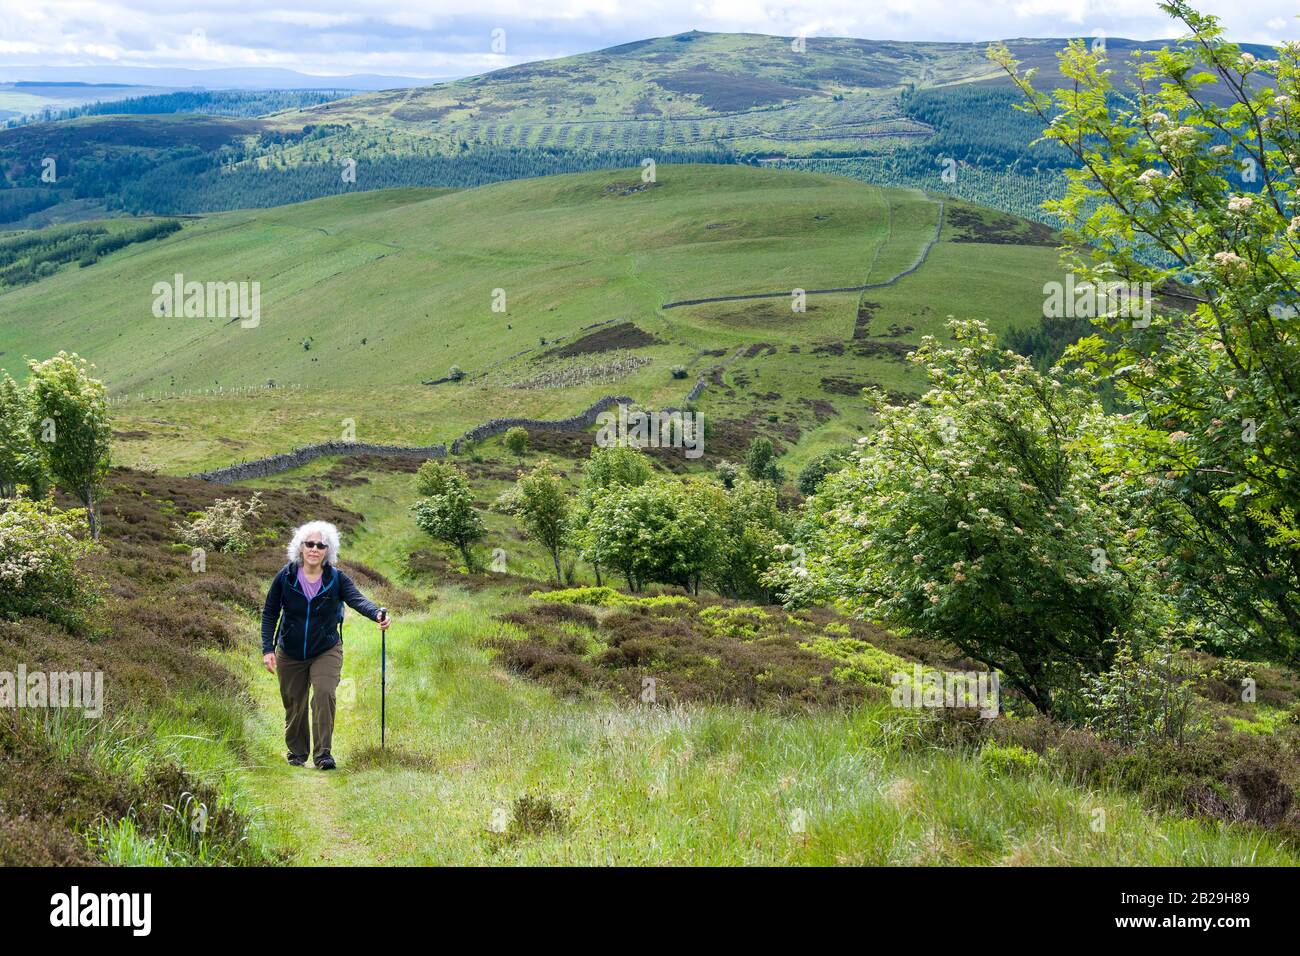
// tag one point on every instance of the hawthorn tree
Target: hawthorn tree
(617, 465)
(39, 549)
(543, 505)
(517, 442)
(726, 472)
(70, 429)
(760, 461)
(434, 478)
(1187, 181)
(19, 460)
(750, 529)
(816, 470)
(978, 515)
(661, 530)
(446, 509)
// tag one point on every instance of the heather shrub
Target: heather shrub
(859, 661)
(1007, 761)
(608, 597)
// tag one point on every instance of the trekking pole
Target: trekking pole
(383, 677)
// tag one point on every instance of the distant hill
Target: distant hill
(755, 94)
(233, 78)
(45, 92)
(883, 111)
(37, 99)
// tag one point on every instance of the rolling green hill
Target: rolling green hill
(398, 286)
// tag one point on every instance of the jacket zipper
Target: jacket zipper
(307, 623)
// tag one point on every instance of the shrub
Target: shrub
(687, 660)
(978, 516)
(598, 597)
(20, 462)
(816, 470)
(738, 623)
(70, 427)
(446, 509)
(544, 510)
(1228, 776)
(760, 461)
(509, 501)
(517, 441)
(679, 371)
(435, 477)
(859, 661)
(663, 530)
(615, 465)
(1011, 760)
(608, 597)
(1213, 437)
(1143, 696)
(787, 579)
(222, 526)
(1266, 723)
(38, 573)
(659, 601)
(750, 528)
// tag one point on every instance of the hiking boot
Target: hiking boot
(295, 760)
(326, 762)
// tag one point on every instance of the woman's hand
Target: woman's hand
(269, 661)
(384, 622)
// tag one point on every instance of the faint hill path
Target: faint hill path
(784, 293)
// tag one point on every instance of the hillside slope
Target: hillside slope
(752, 93)
(399, 285)
(733, 767)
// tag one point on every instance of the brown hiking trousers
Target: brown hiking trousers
(318, 675)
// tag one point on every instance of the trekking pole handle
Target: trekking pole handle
(383, 614)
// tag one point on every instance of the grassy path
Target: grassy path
(642, 785)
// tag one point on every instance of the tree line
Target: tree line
(720, 531)
(31, 256)
(199, 102)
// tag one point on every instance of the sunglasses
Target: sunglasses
(318, 545)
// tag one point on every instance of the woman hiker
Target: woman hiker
(302, 637)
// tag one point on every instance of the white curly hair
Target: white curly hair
(328, 533)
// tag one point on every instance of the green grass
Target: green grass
(706, 785)
(478, 758)
(394, 287)
(399, 284)
(639, 785)
(205, 733)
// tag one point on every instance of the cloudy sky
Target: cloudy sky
(435, 38)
